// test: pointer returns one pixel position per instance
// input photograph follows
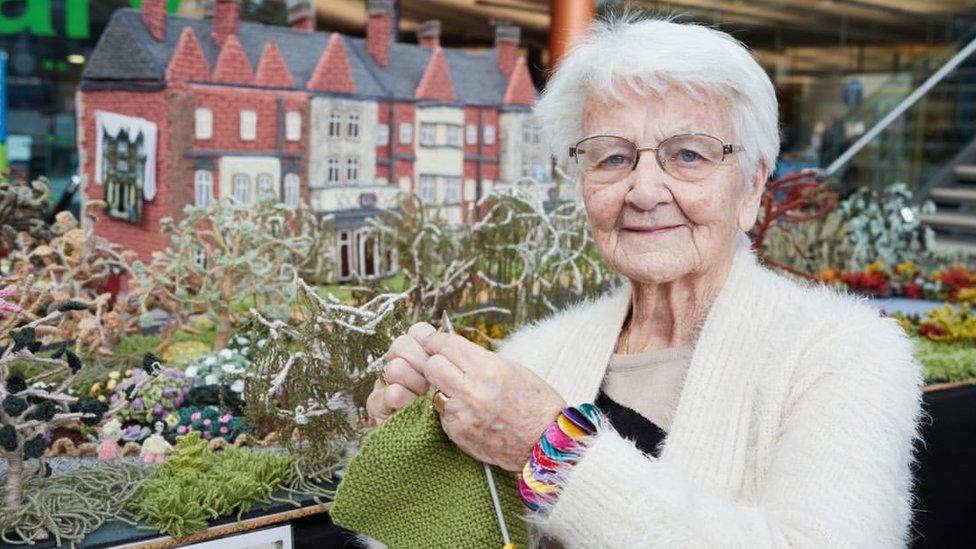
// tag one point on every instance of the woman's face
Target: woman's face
(650, 226)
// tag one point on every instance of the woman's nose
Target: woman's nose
(649, 184)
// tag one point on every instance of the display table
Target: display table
(310, 528)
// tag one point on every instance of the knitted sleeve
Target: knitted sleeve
(840, 473)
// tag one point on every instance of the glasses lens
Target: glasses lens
(690, 157)
(606, 159)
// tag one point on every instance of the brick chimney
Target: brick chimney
(380, 29)
(429, 34)
(154, 17)
(507, 38)
(226, 14)
(301, 15)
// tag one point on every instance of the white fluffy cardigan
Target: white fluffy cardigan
(795, 425)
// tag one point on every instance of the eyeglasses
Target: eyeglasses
(688, 157)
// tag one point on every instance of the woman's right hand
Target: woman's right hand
(405, 361)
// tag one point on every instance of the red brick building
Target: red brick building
(175, 111)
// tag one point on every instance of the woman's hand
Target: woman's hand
(497, 409)
(404, 368)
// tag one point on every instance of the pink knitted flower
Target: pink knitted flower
(6, 306)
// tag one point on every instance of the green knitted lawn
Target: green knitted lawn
(410, 486)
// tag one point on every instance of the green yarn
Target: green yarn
(410, 486)
(14, 405)
(196, 485)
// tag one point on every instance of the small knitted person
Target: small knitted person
(155, 448)
(111, 432)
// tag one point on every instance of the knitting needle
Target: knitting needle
(447, 326)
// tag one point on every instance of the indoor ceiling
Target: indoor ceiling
(777, 29)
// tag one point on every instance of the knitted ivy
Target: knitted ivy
(23, 338)
(16, 384)
(8, 438)
(45, 410)
(71, 305)
(93, 406)
(14, 405)
(34, 448)
(73, 361)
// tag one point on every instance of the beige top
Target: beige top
(648, 383)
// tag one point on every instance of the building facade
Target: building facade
(175, 111)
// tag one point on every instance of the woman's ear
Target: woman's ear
(749, 208)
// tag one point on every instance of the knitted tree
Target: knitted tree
(29, 409)
(311, 377)
(223, 254)
(531, 261)
(71, 271)
(22, 208)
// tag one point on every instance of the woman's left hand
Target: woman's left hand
(497, 409)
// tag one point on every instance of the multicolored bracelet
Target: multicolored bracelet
(560, 446)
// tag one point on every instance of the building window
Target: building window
(352, 169)
(292, 191)
(293, 126)
(489, 135)
(335, 124)
(332, 170)
(200, 258)
(203, 123)
(471, 134)
(249, 125)
(382, 134)
(352, 129)
(428, 134)
(202, 188)
(454, 136)
(369, 256)
(241, 188)
(123, 169)
(452, 190)
(427, 190)
(265, 186)
(406, 132)
(345, 255)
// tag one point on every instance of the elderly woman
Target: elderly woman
(710, 402)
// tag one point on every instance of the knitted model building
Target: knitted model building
(175, 111)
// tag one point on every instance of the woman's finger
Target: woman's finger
(443, 374)
(460, 351)
(396, 396)
(420, 330)
(409, 349)
(398, 371)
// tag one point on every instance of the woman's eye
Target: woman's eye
(614, 161)
(688, 156)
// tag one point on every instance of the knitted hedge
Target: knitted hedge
(410, 486)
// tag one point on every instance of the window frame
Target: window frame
(203, 123)
(293, 126)
(203, 179)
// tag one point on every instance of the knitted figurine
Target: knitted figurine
(155, 448)
(111, 432)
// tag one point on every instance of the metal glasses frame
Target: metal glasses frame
(727, 148)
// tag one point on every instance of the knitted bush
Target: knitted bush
(196, 485)
(410, 486)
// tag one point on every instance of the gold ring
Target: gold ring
(383, 380)
(438, 401)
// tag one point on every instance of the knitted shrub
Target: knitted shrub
(410, 486)
(196, 485)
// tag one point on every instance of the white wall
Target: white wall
(439, 160)
(322, 147)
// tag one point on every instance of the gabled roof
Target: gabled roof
(126, 52)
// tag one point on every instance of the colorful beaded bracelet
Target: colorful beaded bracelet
(559, 446)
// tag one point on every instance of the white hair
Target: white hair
(653, 56)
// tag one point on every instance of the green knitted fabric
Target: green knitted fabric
(410, 486)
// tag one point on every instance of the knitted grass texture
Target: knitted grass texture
(196, 485)
(69, 506)
(411, 487)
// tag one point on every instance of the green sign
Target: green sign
(36, 18)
